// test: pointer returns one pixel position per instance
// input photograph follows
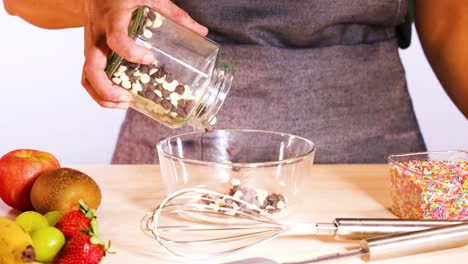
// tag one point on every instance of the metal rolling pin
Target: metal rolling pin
(409, 243)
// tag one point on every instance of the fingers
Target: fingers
(113, 35)
(172, 11)
(119, 41)
(96, 82)
(98, 99)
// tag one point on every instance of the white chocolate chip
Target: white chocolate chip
(137, 73)
(160, 80)
(147, 33)
(158, 93)
(186, 93)
(174, 97)
(145, 78)
(235, 181)
(213, 120)
(136, 87)
(122, 68)
(269, 207)
(126, 84)
(124, 77)
(116, 80)
(148, 22)
(261, 195)
(158, 21)
(173, 114)
(116, 74)
(238, 194)
(174, 102)
(280, 205)
(152, 71)
(170, 86)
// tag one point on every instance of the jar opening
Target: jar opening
(213, 99)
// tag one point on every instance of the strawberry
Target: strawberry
(76, 222)
(81, 249)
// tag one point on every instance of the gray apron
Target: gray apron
(327, 70)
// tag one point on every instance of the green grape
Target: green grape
(53, 217)
(47, 243)
(31, 221)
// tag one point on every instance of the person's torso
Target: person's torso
(327, 70)
(297, 23)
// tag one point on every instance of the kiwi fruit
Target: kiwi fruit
(61, 189)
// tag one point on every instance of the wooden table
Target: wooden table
(339, 191)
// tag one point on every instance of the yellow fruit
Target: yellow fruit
(15, 244)
(61, 189)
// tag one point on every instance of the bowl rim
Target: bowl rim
(299, 158)
(391, 160)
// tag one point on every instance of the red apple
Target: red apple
(19, 170)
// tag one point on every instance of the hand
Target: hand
(106, 27)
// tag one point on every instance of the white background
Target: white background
(44, 107)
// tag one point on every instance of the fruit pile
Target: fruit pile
(56, 224)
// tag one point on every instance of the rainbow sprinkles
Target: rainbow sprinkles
(435, 189)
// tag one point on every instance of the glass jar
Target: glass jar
(188, 82)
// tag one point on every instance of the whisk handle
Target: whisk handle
(361, 228)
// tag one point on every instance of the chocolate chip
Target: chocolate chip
(181, 104)
(189, 106)
(150, 94)
(208, 129)
(235, 168)
(140, 30)
(180, 112)
(281, 197)
(234, 189)
(159, 74)
(180, 89)
(157, 100)
(228, 201)
(146, 86)
(131, 65)
(133, 78)
(158, 86)
(151, 15)
(165, 93)
(144, 69)
(273, 199)
(229, 150)
(166, 104)
(169, 78)
(206, 199)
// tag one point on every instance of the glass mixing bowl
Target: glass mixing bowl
(261, 167)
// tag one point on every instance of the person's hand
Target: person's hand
(106, 27)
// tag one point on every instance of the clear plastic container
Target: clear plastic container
(188, 82)
(430, 185)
